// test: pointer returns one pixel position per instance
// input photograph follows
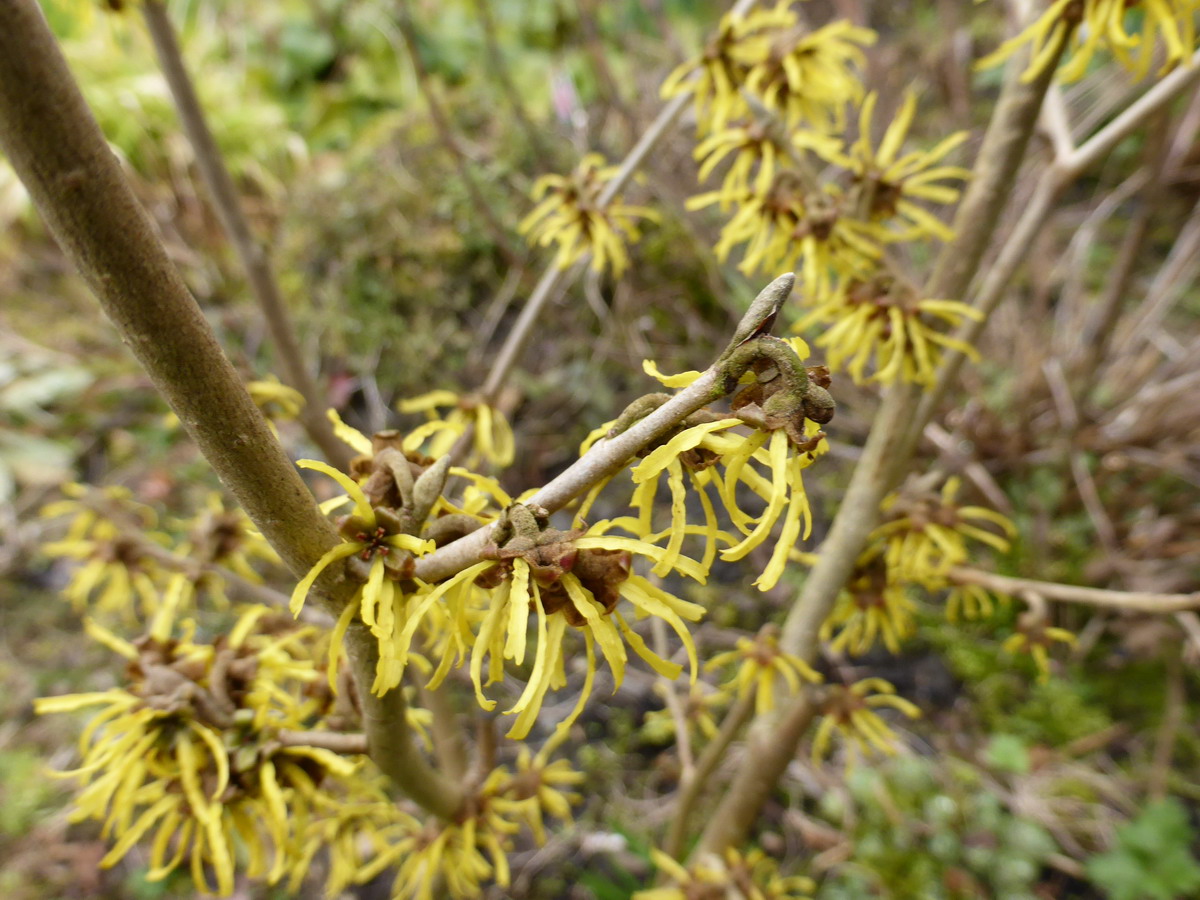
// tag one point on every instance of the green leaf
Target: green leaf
(1151, 857)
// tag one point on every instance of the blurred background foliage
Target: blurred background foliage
(1014, 788)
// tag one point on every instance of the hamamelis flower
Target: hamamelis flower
(226, 538)
(792, 227)
(276, 400)
(571, 216)
(569, 579)
(700, 704)
(1077, 29)
(734, 875)
(782, 443)
(810, 79)
(761, 664)
(970, 601)
(453, 858)
(186, 761)
(849, 711)
(884, 322)
(539, 789)
(889, 183)
(83, 503)
(927, 534)
(116, 575)
(871, 607)
(715, 78)
(1035, 637)
(492, 437)
(354, 831)
(379, 601)
(755, 151)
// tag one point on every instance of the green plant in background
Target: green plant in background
(929, 830)
(1153, 857)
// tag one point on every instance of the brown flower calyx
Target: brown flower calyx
(398, 563)
(524, 532)
(217, 536)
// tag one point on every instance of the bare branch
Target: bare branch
(1132, 601)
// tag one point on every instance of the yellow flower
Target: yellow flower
(539, 789)
(850, 712)
(355, 831)
(791, 226)
(756, 152)
(872, 606)
(761, 663)
(227, 538)
(1035, 637)
(379, 601)
(883, 320)
(1079, 28)
(971, 601)
(813, 79)
(717, 75)
(927, 534)
(888, 183)
(572, 217)
(185, 757)
(276, 400)
(572, 580)
(117, 574)
(454, 858)
(492, 437)
(738, 876)
(702, 878)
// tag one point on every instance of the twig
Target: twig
(229, 212)
(693, 785)
(53, 142)
(605, 458)
(335, 741)
(683, 739)
(764, 763)
(1131, 601)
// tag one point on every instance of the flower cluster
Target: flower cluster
(850, 712)
(1035, 637)
(127, 562)
(873, 606)
(570, 214)
(771, 98)
(885, 321)
(490, 434)
(186, 755)
(735, 875)
(1131, 30)
(762, 664)
(926, 533)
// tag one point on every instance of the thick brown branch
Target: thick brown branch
(253, 257)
